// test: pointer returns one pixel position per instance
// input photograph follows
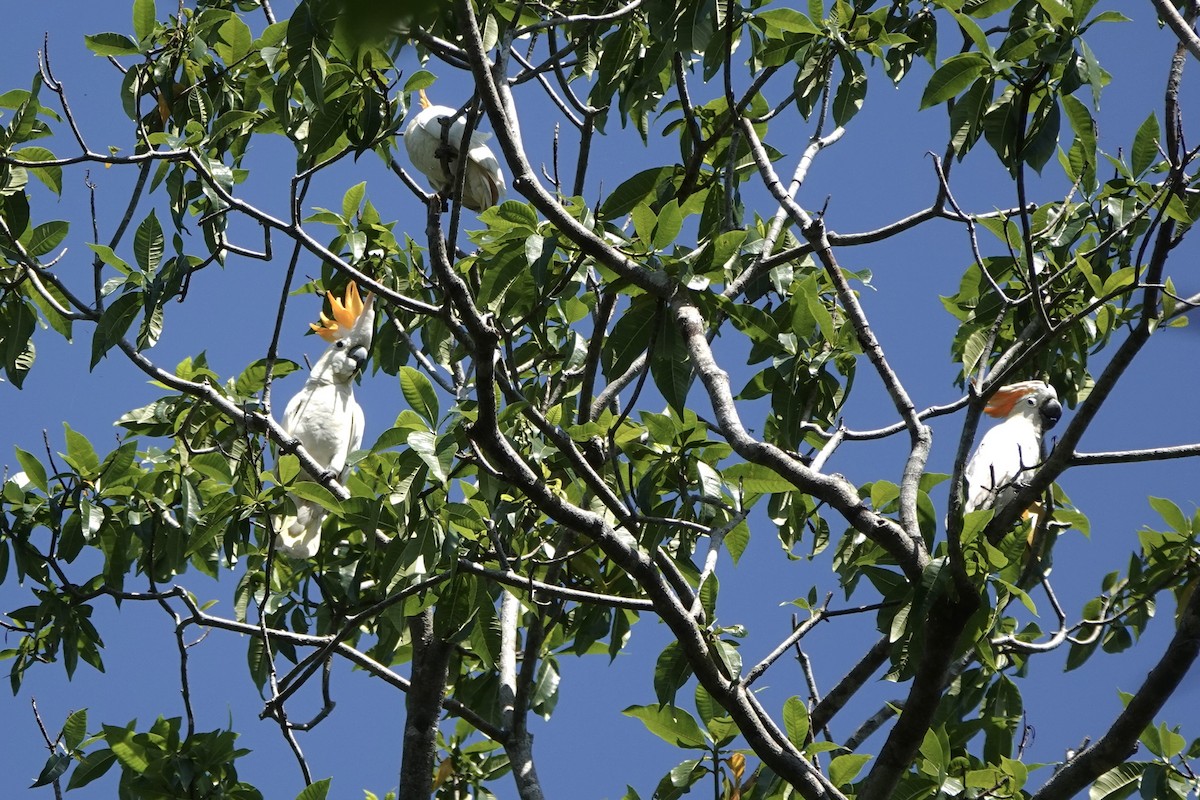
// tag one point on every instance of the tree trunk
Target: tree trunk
(424, 706)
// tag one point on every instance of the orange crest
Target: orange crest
(345, 314)
(1002, 402)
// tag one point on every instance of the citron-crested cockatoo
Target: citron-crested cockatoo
(437, 157)
(323, 416)
(1005, 459)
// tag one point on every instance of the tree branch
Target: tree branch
(1119, 742)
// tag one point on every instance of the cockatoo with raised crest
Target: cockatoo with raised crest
(1005, 459)
(323, 416)
(437, 158)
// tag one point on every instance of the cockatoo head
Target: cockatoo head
(349, 334)
(1033, 400)
(427, 124)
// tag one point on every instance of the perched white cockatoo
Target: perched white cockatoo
(324, 416)
(437, 158)
(1004, 460)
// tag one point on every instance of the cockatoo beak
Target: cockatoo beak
(1051, 414)
(360, 355)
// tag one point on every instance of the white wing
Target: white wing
(354, 441)
(1007, 452)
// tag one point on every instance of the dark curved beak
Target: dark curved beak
(359, 354)
(1051, 414)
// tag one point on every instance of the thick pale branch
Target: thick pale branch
(1178, 25)
(947, 618)
(423, 703)
(848, 686)
(575, 19)
(795, 636)
(815, 146)
(497, 101)
(363, 660)
(814, 231)
(535, 587)
(836, 491)
(1134, 456)
(1119, 742)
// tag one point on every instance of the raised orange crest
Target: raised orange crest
(345, 314)
(1002, 402)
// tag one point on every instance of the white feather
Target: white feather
(484, 182)
(327, 421)
(1010, 451)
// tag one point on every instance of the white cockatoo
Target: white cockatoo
(323, 416)
(1009, 452)
(437, 157)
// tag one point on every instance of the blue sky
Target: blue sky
(876, 173)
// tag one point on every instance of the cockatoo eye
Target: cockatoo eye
(1028, 400)
(339, 344)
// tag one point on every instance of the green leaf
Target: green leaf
(148, 244)
(788, 20)
(1171, 514)
(671, 672)
(1117, 781)
(144, 17)
(851, 90)
(326, 129)
(670, 365)
(796, 721)
(107, 256)
(93, 766)
(129, 751)
(254, 377)
(642, 186)
(80, 454)
(352, 200)
(33, 469)
(74, 729)
(456, 609)
(287, 469)
(1043, 139)
(934, 751)
(708, 595)
(420, 79)
(820, 313)
(545, 689)
(55, 766)
(1055, 9)
(972, 29)
(419, 392)
(672, 725)
(756, 478)
(845, 768)
(952, 77)
(51, 175)
(317, 790)
(644, 220)
(114, 323)
(436, 451)
(630, 336)
(1145, 145)
(715, 719)
(46, 237)
(1081, 122)
(309, 490)
(670, 222)
(112, 44)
